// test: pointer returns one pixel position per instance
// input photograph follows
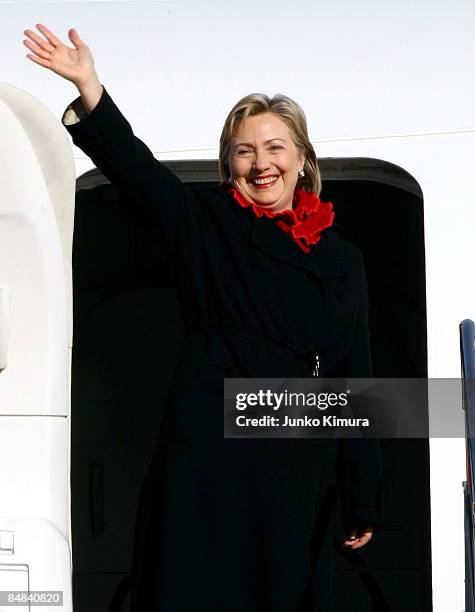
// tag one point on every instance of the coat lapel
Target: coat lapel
(325, 260)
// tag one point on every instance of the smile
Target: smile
(265, 181)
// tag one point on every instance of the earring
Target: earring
(301, 173)
(230, 180)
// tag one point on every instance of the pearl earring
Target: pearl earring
(301, 173)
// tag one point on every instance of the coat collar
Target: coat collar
(306, 220)
(325, 260)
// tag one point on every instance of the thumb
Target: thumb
(75, 39)
(350, 538)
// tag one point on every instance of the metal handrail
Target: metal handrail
(467, 354)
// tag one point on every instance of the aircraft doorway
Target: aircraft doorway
(127, 333)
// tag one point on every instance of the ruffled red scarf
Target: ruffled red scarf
(305, 222)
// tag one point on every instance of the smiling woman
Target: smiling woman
(241, 525)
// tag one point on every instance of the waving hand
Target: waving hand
(75, 64)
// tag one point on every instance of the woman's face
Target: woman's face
(264, 162)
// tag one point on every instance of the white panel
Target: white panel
(448, 562)
(35, 257)
(51, 148)
(41, 548)
(72, 1)
(34, 469)
(7, 542)
(13, 577)
(4, 326)
(359, 70)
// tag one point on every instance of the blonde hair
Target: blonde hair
(292, 114)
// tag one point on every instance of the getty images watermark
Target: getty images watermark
(277, 401)
(337, 407)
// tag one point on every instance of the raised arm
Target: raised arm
(150, 194)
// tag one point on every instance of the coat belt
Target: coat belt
(307, 352)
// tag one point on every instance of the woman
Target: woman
(268, 288)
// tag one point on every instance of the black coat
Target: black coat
(240, 525)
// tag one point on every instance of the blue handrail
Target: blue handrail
(467, 353)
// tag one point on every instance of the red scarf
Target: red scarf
(305, 222)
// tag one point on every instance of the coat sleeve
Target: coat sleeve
(150, 194)
(360, 459)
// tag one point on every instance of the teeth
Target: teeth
(263, 181)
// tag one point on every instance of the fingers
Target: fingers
(358, 537)
(355, 543)
(54, 40)
(39, 52)
(39, 60)
(39, 41)
(75, 39)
